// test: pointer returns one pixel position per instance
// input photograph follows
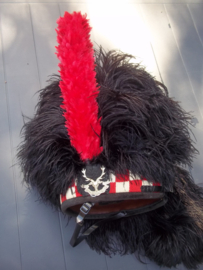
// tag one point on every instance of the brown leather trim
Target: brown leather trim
(107, 198)
(118, 206)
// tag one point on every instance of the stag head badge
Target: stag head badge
(93, 180)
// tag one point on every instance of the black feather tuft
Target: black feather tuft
(168, 236)
(48, 161)
(144, 131)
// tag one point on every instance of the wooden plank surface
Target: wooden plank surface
(196, 11)
(10, 254)
(191, 52)
(173, 71)
(107, 31)
(105, 1)
(39, 227)
(190, 47)
(174, 76)
(6, 171)
(82, 256)
(44, 17)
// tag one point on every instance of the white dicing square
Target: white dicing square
(70, 193)
(122, 186)
(133, 177)
(112, 177)
(146, 183)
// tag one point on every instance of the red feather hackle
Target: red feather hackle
(78, 84)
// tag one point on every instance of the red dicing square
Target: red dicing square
(112, 188)
(122, 179)
(77, 192)
(135, 186)
(63, 198)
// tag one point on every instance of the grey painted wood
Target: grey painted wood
(10, 257)
(104, 1)
(168, 57)
(173, 71)
(17, 66)
(107, 31)
(80, 257)
(191, 51)
(196, 11)
(181, 1)
(40, 236)
(41, 240)
(5, 143)
(44, 17)
(190, 47)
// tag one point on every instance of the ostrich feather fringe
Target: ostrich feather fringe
(142, 130)
(168, 236)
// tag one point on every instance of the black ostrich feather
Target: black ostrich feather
(144, 131)
(170, 235)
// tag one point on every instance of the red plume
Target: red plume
(78, 84)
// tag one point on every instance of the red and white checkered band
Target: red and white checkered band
(129, 184)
